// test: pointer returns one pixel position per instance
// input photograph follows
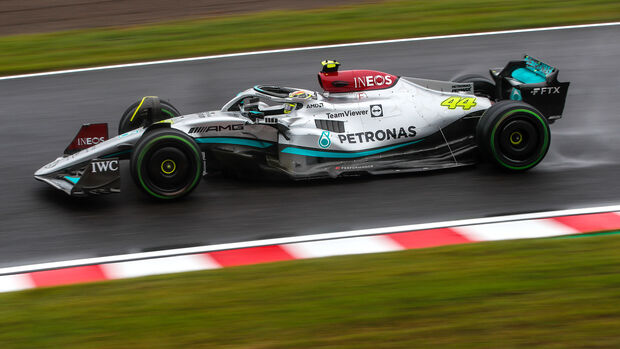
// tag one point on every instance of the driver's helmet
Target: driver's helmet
(330, 65)
(301, 94)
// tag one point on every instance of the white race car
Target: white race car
(363, 122)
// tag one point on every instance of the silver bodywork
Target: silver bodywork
(325, 135)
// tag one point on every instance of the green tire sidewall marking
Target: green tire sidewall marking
(545, 141)
(148, 146)
(168, 112)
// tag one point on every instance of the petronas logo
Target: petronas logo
(324, 141)
(515, 95)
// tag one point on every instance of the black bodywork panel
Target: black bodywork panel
(548, 96)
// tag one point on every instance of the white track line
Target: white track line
(298, 239)
(309, 48)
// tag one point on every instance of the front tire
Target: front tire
(133, 119)
(166, 164)
(514, 135)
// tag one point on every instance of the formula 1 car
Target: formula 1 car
(364, 122)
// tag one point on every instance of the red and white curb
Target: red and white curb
(523, 226)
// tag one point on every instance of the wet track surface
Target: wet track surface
(41, 115)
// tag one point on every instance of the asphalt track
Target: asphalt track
(41, 114)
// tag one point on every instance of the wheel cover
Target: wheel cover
(168, 166)
(520, 139)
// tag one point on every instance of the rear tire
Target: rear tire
(166, 164)
(130, 122)
(514, 135)
(483, 87)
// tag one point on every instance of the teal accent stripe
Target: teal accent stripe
(73, 180)
(326, 154)
(238, 141)
(117, 153)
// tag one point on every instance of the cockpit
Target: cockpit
(264, 100)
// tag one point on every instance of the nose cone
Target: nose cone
(40, 172)
(47, 169)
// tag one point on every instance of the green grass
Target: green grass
(394, 19)
(553, 293)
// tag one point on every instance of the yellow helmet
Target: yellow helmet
(330, 65)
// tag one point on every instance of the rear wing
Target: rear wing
(533, 82)
(539, 67)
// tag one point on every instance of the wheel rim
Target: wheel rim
(516, 138)
(519, 140)
(168, 168)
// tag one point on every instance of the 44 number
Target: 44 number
(464, 102)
